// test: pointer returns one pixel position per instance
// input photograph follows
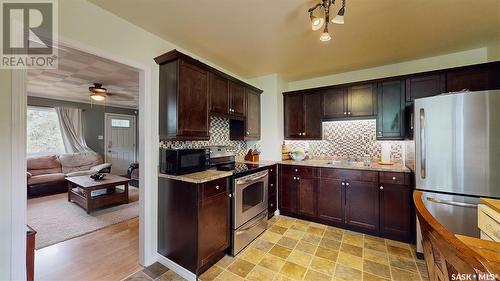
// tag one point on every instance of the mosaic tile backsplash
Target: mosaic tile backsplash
(219, 135)
(349, 139)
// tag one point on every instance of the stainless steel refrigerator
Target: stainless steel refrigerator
(457, 153)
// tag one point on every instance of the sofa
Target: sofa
(46, 174)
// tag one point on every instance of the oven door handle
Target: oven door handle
(257, 219)
(251, 179)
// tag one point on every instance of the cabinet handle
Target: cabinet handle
(294, 178)
(379, 133)
(304, 134)
(230, 195)
(296, 170)
(345, 113)
(270, 170)
(348, 113)
(393, 178)
(217, 187)
(343, 183)
(298, 178)
(346, 184)
(271, 184)
(381, 188)
(272, 204)
(248, 133)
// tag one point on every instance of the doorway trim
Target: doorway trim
(106, 115)
(147, 160)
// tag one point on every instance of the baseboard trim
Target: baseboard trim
(184, 273)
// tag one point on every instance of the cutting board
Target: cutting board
(492, 203)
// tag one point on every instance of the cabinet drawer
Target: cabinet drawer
(345, 174)
(394, 178)
(213, 188)
(302, 171)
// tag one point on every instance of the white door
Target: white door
(119, 138)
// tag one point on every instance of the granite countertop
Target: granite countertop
(199, 177)
(263, 163)
(374, 166)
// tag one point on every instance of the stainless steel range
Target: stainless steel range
(249, 209)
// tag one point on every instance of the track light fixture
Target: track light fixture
(318, 22)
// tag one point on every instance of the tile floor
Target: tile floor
(293, 249)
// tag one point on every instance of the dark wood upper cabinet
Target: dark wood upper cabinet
(425, 86)
(312, 117)
(302, 117)
(331, 200)
(294, 119)
(219, 94)
(183, 86)
(334, 103)
(361, 205)
(236, 99)
(361, 100)
(472, 79)
(252, 115)
(391, 110)
(190, 91)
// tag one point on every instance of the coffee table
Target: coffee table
(80, 191)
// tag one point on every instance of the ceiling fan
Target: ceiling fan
(99, 93)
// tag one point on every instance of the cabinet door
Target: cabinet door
(361, 204)
(391, 109)
(213, 227)
(193, 102)
(425, 86)
(237, 99)
(335, 103)
(294, 120)
(395, 211)
(361, 100)
(252, 115)
(219, 94)
(474, 79)
(307, 196)
(331, 200)
(288, 194)
(312, 117)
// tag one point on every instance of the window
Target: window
(43, 132)
(120, 123)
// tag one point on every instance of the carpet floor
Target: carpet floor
(56, 220)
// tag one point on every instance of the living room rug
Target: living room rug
(56, 220)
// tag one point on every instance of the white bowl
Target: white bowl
(298, 157)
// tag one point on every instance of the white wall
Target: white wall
(5, 175)
(271, 104)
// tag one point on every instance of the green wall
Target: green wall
(93, 119)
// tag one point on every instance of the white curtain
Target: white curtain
(70, 121)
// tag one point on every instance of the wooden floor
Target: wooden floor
(111, 253)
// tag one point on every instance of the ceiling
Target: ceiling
(259, 37)
(76, 73)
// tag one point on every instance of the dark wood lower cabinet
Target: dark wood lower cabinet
(352, 199)
(307, 196)
(361, 201)
(331, 200)
(396, 218)
(193, 222)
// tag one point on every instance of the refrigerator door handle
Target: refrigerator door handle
(422, 144)
(452, 203)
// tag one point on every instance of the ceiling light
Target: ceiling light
(325, 36)
(339, 18)
(316, 23)
(98, 96)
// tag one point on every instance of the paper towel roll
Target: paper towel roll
(386, 152)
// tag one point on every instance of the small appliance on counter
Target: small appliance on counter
(179, 161)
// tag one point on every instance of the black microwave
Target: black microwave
(183, 161)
